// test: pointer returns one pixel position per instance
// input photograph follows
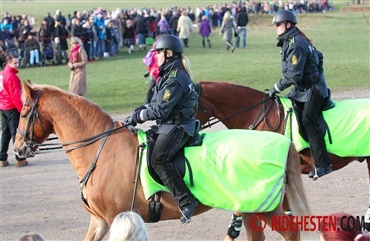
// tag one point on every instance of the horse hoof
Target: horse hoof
(21, 163)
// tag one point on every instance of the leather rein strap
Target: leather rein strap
(261, 116)
(84, 180)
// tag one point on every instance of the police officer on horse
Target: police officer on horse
(302, 67)
(172, 106)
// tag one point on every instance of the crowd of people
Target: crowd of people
(103, 33)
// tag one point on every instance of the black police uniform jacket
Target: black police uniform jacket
(302, 67)
(173, 101)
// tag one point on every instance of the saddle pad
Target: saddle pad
(238, 170)
(349, 125)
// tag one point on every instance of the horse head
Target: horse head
(34, 125)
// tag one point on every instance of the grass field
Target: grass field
(117, 83)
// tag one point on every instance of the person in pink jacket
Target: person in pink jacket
(10, 107)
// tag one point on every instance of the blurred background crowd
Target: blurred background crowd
(40, 42)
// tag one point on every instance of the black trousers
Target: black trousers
(9, 125)
(312, 126)
(165, 148)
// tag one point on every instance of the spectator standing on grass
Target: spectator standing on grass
(10, 107)
(205, 31)
(128, 226)
(24, 30)
(184, 28)
(7, 31)
(77, 30)
(77, 66)
(241, 23)
(44, 33)
(59, 17)
(228, 28)
(89, 38)
(129, 36)
(101, 31)
(141, 28)
(60, 40)
(163, 25)
(173, 22)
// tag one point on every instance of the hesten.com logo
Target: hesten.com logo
(307, 223)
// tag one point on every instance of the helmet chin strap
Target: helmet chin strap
(286, 27)
(166, 59)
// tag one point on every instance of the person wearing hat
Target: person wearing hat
(172, 106)
(302, 68)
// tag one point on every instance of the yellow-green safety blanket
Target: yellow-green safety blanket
(238, 170)
(349, 125)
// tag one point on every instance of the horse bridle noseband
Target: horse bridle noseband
(28, 140)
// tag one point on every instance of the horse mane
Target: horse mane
(87, 107)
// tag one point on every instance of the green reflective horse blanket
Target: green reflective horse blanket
(239, 170)
(349, 125)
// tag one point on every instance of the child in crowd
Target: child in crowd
(129, 36)
(204, 31)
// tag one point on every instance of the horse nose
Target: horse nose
(20, 151)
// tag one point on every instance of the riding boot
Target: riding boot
(328, 103)
(320, 154)
(209, 43)
(204, 44)
(180, 192)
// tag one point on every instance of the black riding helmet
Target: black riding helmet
(284, 16)
(169, 42)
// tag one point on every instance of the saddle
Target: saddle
(179, 160)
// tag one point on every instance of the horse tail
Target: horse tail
(295, 192)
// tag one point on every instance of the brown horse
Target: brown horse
(241, 107)
(109, 187)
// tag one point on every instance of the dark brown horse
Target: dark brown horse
(108, 185)
(241, 107)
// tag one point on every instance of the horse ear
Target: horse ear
(27, 85)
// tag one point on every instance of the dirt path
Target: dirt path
(44, 197)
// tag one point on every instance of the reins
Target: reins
(261, 116)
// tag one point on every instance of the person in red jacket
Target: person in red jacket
(10, 107)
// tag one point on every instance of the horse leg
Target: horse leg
(367, 215)
(235, 227)
(97, 229)
(252, 235)
(289, 234)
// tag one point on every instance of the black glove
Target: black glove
(135, 117)
(128, 121)
(272, 92)
(142, 107)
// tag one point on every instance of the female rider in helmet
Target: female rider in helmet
(172, 106)
(302, 67)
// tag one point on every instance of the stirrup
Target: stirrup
(190, 208)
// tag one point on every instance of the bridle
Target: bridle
(31, 144)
